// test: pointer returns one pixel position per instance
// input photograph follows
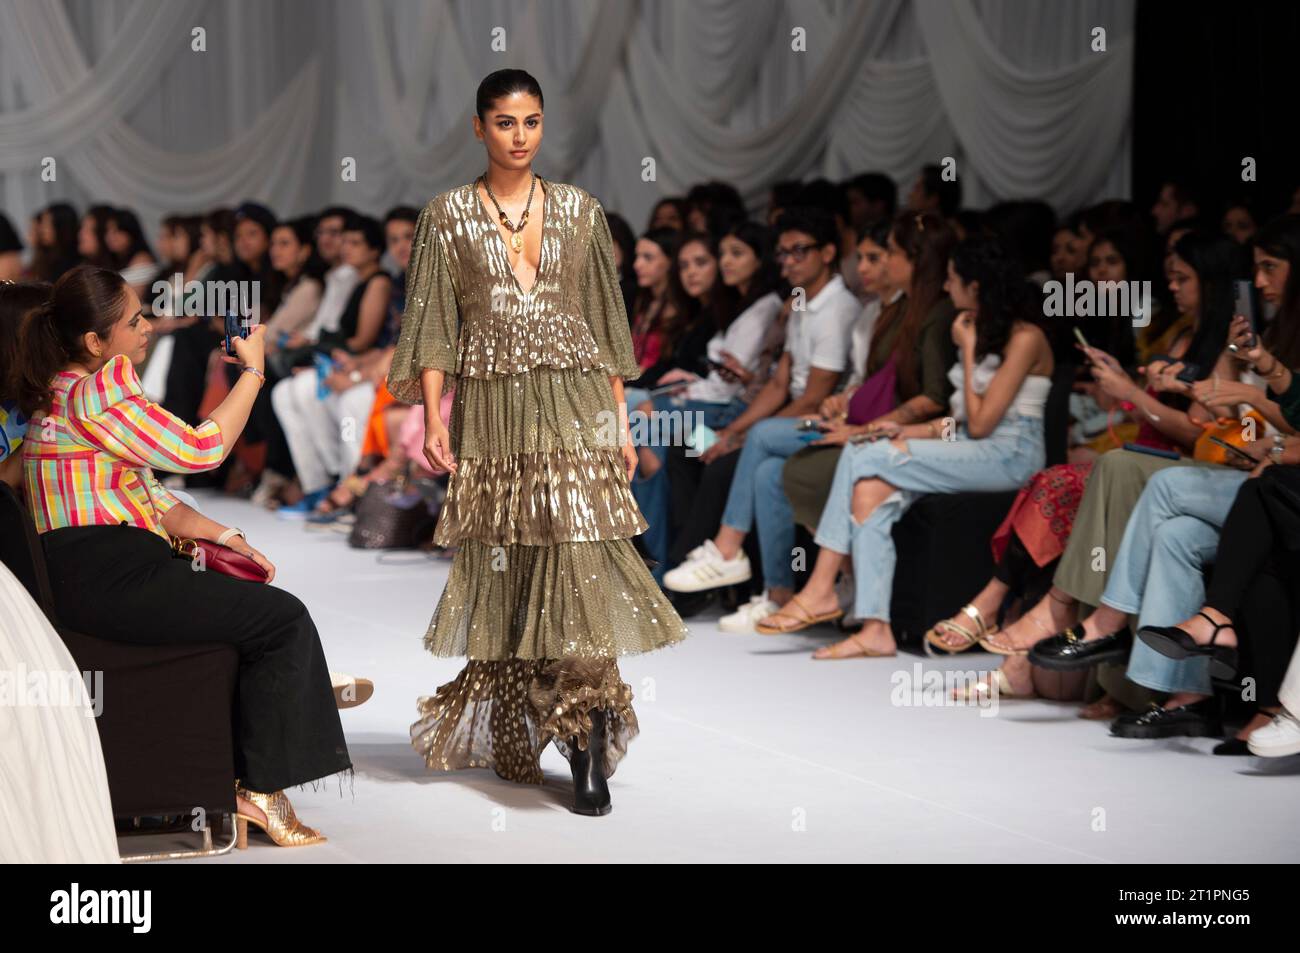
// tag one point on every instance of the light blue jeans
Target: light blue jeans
(1002, 461)
(757, 495)
(1172, 532)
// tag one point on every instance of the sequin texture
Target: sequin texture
(546, 590)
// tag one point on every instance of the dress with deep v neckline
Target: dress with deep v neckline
(546, 590)
(505, 249)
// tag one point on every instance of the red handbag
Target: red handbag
(221, 558)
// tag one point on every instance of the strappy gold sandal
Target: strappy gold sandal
(999, 649)
(809, 619)
(971, 639)
(866, 651)
(973, 692)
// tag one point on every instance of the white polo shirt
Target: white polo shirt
(820, 334)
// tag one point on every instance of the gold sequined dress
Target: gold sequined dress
(546, 590)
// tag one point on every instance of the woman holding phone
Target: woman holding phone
(107, 522)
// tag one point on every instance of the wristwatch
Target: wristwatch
(1276, 450)
(355, 376)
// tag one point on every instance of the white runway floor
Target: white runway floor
(750, 751)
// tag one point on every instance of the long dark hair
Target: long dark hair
(767, 277)
(669, 241)
(126, 221)
(502, 83)
(85, 299)
(1004, 293)
(17, 300)
(1218, 261)
(1280, 238)
(717, 309)
(304, 232)
(103, 258)
(51, 261)
(927, 240)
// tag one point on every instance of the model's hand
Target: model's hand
(630, 459)
(437, 445)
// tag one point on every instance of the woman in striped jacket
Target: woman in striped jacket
(92, 444)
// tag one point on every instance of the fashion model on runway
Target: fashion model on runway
(513, 299)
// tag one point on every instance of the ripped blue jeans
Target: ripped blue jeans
(1000, 462)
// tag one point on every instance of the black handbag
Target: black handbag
(397, 515)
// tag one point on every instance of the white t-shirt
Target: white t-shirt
(818, 335)
(339, 282)
(743, 338)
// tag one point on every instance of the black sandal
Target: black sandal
(1175, 643)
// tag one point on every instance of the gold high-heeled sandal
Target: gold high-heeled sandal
(281, 824)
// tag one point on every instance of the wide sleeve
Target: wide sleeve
(602, 302)
(431, 320)
(108, 410)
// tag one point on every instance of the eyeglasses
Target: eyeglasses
(795, 253)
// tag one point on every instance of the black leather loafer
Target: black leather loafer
(1068, 652)
(1198, 720)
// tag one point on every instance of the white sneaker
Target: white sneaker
(742, 620)
(1279, 738)
(706, 568)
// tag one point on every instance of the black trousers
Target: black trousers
(1024, 578)
(123, 584)
(1256, 580)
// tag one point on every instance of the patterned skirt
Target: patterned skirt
(1043, 512)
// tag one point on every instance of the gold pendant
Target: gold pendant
(516, 241)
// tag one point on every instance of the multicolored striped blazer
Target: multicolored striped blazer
(89, 461)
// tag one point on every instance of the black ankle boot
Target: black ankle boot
(590, 792)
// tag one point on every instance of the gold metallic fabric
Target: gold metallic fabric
(501, 715)
(546, 588)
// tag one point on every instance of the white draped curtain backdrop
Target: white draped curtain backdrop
(286, 90)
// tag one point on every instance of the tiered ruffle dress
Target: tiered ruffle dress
(546, 590)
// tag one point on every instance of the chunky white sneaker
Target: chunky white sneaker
(706, 568)
(742, 620)
(1279, 738)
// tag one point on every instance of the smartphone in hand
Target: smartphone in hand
(236, 327)
(1244, 305)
